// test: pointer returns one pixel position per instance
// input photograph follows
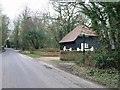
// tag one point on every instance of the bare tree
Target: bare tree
(66, 19)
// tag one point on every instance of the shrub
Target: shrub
(105, 60)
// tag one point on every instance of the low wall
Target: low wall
(77, 55)
(51, 53)
(70, 55)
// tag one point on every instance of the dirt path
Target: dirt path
(56, 62)
(49, 58)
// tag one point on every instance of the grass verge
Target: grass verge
(108, 78)
(30, 54)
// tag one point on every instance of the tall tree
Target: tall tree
(29, 30)
(105, 21)
(5, 29)
(66, 19)
(16, 33)
(25, 26)
(0, 30)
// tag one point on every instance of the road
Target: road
(21, 71)
(0, 71)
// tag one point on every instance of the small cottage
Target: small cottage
(80, 39)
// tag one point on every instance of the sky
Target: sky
(12, 8)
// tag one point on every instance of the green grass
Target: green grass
(108, 79)
(104, 77)
(49, 49)
(30, 54)
(33, 55)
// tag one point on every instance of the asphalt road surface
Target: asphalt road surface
(0, 71)
(21, 71)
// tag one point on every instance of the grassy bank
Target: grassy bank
(108, 78)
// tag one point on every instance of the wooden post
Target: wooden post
(83, 49)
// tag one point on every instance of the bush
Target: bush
(105, 60)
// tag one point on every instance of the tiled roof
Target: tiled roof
(70, 37)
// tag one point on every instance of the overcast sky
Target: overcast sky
(12, 8)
